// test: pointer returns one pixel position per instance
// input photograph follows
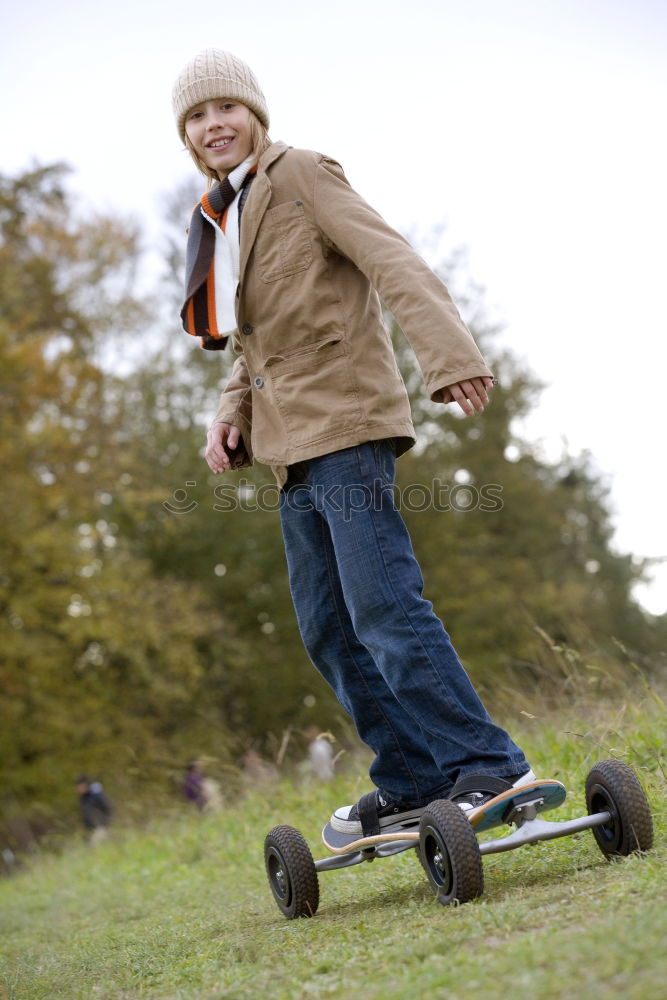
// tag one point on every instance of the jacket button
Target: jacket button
(258, 382)
(247, 328)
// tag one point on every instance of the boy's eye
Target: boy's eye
(227, 106)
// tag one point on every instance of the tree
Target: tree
(519, 556)
(529, 561)
(103, 662)
(145, 614)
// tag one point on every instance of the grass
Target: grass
(181, 910)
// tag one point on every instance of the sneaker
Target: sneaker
(372, 813)
(375, 812)
(476, 789)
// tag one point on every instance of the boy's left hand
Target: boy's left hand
(470, 393)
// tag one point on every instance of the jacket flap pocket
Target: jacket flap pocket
(283, 244)
(305, 356)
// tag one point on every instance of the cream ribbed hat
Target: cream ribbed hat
(211, 74)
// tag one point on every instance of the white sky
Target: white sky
(535, 129)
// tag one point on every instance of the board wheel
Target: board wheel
(449, 853)
(613, 787)
(291, 872)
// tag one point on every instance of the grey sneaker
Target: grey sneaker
(372, 813)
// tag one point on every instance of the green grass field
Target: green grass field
(181, 909)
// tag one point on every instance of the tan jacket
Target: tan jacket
(316, 370)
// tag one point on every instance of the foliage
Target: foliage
(145, 612)
(102, 662)
(532, 574)
(517, 552)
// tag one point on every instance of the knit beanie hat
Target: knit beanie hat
(212, 74)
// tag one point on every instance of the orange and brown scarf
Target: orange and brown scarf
(199, 312)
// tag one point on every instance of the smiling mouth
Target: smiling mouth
(220, 143)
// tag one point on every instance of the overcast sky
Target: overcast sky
(534, 129)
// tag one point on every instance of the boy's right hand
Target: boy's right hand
(220, 441)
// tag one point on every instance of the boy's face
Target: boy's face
(219, 130)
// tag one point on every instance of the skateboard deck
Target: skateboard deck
(544, 795)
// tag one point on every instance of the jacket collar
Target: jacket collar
(258, 200)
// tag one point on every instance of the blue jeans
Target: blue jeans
(357, 591)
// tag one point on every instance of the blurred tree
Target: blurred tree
(517, 552)
(518, 562)
(145, 611)
(222, 533)
(104, 664)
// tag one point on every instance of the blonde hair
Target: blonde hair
(260, 142)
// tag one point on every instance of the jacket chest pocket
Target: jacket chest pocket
(283, 244)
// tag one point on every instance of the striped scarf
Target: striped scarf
(212, 261)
